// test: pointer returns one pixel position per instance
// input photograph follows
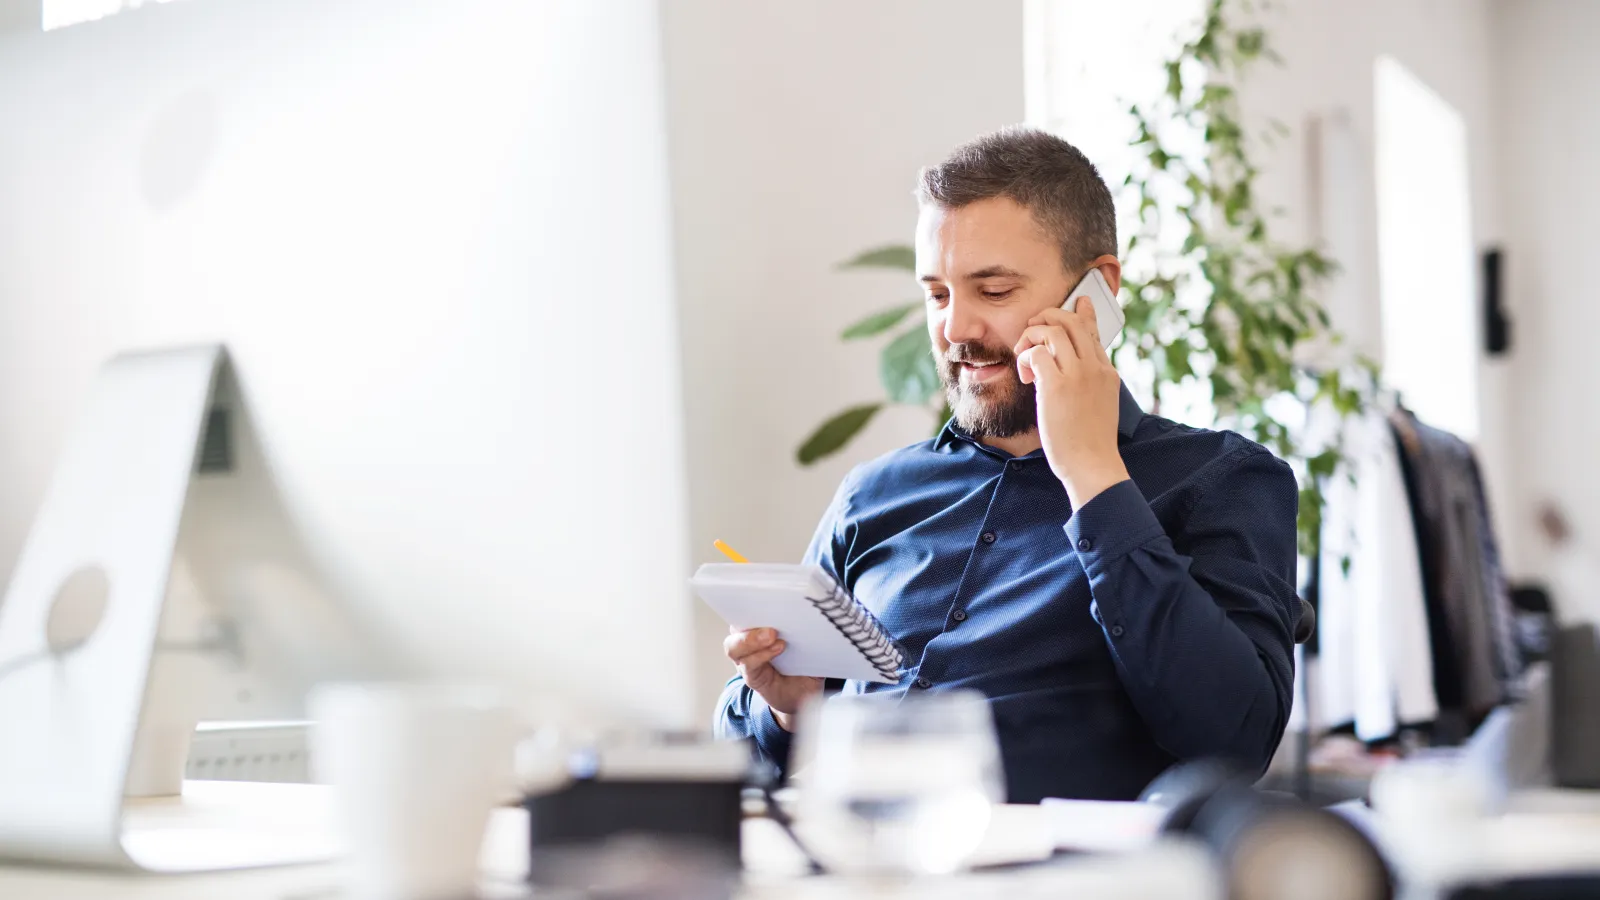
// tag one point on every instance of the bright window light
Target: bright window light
(1425, 253)
(61, 13)
(1085, 61)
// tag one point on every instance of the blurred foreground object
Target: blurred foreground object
(415, 770)
(1270, 846)
(903, 787)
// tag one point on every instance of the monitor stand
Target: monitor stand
(101, 708)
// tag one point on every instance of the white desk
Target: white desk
(773, 864)
(1541, 830)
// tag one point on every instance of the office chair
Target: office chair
(1306, 624)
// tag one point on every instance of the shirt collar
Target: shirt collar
(1128, 417)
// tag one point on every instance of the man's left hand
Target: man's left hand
(1079, 397)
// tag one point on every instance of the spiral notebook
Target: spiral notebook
(829, 633)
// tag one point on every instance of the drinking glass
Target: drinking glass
(900, 785)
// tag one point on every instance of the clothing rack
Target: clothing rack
(1475, 661)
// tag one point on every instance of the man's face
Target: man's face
(986, 268)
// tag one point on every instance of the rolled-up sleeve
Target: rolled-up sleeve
(1202, 638)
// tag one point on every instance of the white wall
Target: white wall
(18, 15)
(797, 130)
(1547, 134)
(436, 237)
(1330, 49)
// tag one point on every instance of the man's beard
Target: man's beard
(1001, 407)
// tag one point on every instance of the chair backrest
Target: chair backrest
(1306, 625)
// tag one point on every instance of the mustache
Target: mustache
(978, 355)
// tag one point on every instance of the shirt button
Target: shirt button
(987, 537)
(959, 615)
(1085, 545)
(923, 683)
(1016, 465)
(1116, 631)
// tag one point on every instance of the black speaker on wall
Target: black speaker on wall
(1496, 326)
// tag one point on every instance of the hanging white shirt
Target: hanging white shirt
(1376, 666)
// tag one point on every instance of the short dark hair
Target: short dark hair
(1039, 171)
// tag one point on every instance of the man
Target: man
(1119, 586)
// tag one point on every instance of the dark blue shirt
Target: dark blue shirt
(1151, 626)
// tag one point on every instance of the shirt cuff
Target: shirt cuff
(770, 737)
(1113, 522)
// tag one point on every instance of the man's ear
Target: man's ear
(1111, 268)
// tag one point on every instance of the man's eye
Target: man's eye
(997, 295)
(937, 298)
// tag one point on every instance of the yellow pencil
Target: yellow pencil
(729, 552)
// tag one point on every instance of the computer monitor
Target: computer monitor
(435, 239)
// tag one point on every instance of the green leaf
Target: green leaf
(1236, 202)
(1215, 94)
(893, 256)
(878, 322)
(907, 370)
(1347, 402)
(1250, 44)
(1178, 364)
(832, 435)
(1319, 265)
(1143, 134)
(1323, 464)
(1175, 79)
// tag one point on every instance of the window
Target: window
(1425, 254)
(1085, 63)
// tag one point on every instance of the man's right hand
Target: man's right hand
(752, 652)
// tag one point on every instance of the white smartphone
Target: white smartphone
(1108, 314)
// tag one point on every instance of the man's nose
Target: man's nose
(962, 323)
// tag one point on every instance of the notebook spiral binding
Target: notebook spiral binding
(857, 623)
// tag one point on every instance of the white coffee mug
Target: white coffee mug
(416, 770)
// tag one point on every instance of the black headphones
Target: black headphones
(1271, 846)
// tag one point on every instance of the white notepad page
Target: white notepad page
(763, 595)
